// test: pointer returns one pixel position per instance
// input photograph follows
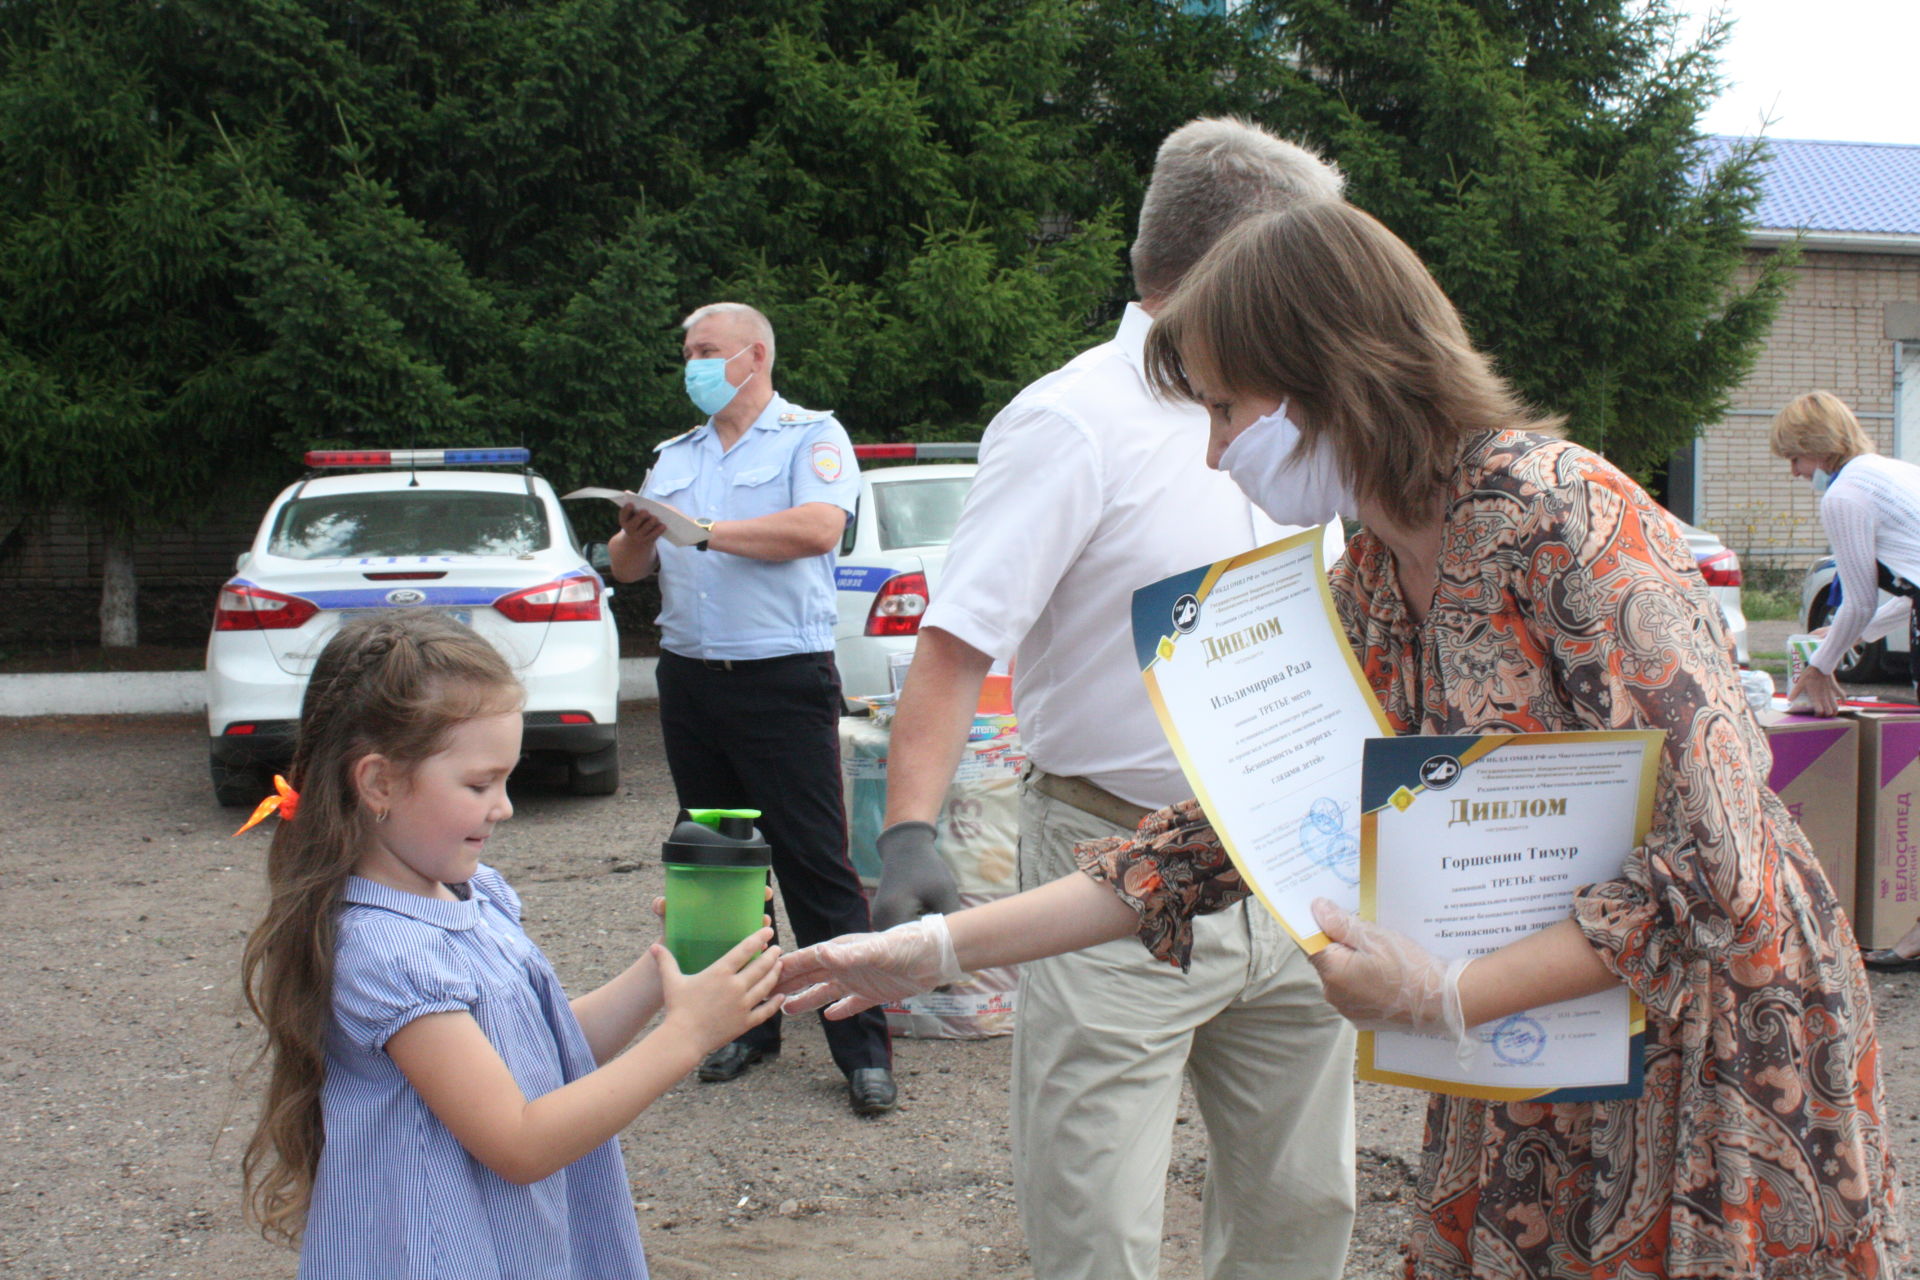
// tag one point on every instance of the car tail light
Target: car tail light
(917, 452)
(565, 600)
(1722, 569)
(575, 717)
(238, 730)
(245, 607)
(897, 606)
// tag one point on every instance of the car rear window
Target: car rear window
(918, 513)
(410, 523)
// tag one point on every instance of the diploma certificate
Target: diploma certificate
(1469, 843)
(1259, 693)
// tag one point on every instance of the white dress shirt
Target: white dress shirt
(1088, 488)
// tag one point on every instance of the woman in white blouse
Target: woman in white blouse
(1870, 506)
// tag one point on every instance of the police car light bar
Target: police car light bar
(917, 452)
(416, 457)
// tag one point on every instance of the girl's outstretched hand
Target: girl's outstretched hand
(717, 1004)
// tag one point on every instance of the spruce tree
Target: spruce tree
(1546, 161)
(231, 230)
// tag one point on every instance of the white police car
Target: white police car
(493, 550)
(892, 553)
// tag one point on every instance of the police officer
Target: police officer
(749, 697)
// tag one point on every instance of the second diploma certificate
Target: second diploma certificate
(1470, 843)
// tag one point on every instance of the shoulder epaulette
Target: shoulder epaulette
(797, 417)
(675, 439)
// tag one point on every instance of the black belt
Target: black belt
(1895, 585)
(743, 664)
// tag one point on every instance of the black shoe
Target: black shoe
(871, 1091)
(1887, 960)
(730, 1061)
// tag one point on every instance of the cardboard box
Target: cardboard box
(1889, 892)
(1816, 771)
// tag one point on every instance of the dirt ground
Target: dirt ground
(123, 1107)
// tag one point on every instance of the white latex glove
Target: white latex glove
(1381, 980)
(857, 971)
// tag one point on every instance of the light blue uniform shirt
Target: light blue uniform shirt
(715, 605)
(397, 1197)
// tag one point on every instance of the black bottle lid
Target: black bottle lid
(717, 838)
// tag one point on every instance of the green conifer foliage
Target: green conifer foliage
(1544, 159)
(232, 230)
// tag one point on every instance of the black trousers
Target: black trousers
(1893, 584)
(766, 735)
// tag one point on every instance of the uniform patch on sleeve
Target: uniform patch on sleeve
(826, 461)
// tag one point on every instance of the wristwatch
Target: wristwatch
(706, 527)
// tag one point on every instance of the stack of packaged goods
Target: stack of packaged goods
(978, 837)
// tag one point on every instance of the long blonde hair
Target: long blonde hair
(1323, 307)
(395, 684)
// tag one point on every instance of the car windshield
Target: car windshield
(410, 522)
(919, 513)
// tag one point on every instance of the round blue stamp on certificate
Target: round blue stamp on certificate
(1519, 1040)
(1325, 839)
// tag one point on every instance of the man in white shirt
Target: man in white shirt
(1088, 488)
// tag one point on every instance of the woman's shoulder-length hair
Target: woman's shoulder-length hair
(1323, 307)
(1818, 425)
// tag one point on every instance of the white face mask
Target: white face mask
(1821, 479)
(1290, 489)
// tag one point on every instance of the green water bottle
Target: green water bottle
(717, 864)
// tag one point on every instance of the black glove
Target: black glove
(913, 879)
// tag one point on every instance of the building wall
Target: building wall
(50, 570)
(1829, 335)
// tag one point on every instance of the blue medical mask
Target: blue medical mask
(1821, 479)
(707, 384)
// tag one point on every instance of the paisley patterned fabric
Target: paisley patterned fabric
(1568, 600)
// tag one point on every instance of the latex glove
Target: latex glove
(857, 971)
(914, 879)
(1382, 980)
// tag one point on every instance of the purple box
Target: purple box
(1888, 899)
(1816, 770)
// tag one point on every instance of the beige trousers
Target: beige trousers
(1101, 1039)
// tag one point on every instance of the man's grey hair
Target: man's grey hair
(756, 323)
(1210, 174)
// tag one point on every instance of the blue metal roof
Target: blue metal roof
(1863, 188)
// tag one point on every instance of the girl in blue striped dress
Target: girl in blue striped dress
(437, 1107)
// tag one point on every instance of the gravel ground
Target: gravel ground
(124, 1106)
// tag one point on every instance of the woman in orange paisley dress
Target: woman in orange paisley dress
(1505, 580)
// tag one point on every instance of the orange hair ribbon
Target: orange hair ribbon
(287, 801)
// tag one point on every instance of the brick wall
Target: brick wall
(1829, 335)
